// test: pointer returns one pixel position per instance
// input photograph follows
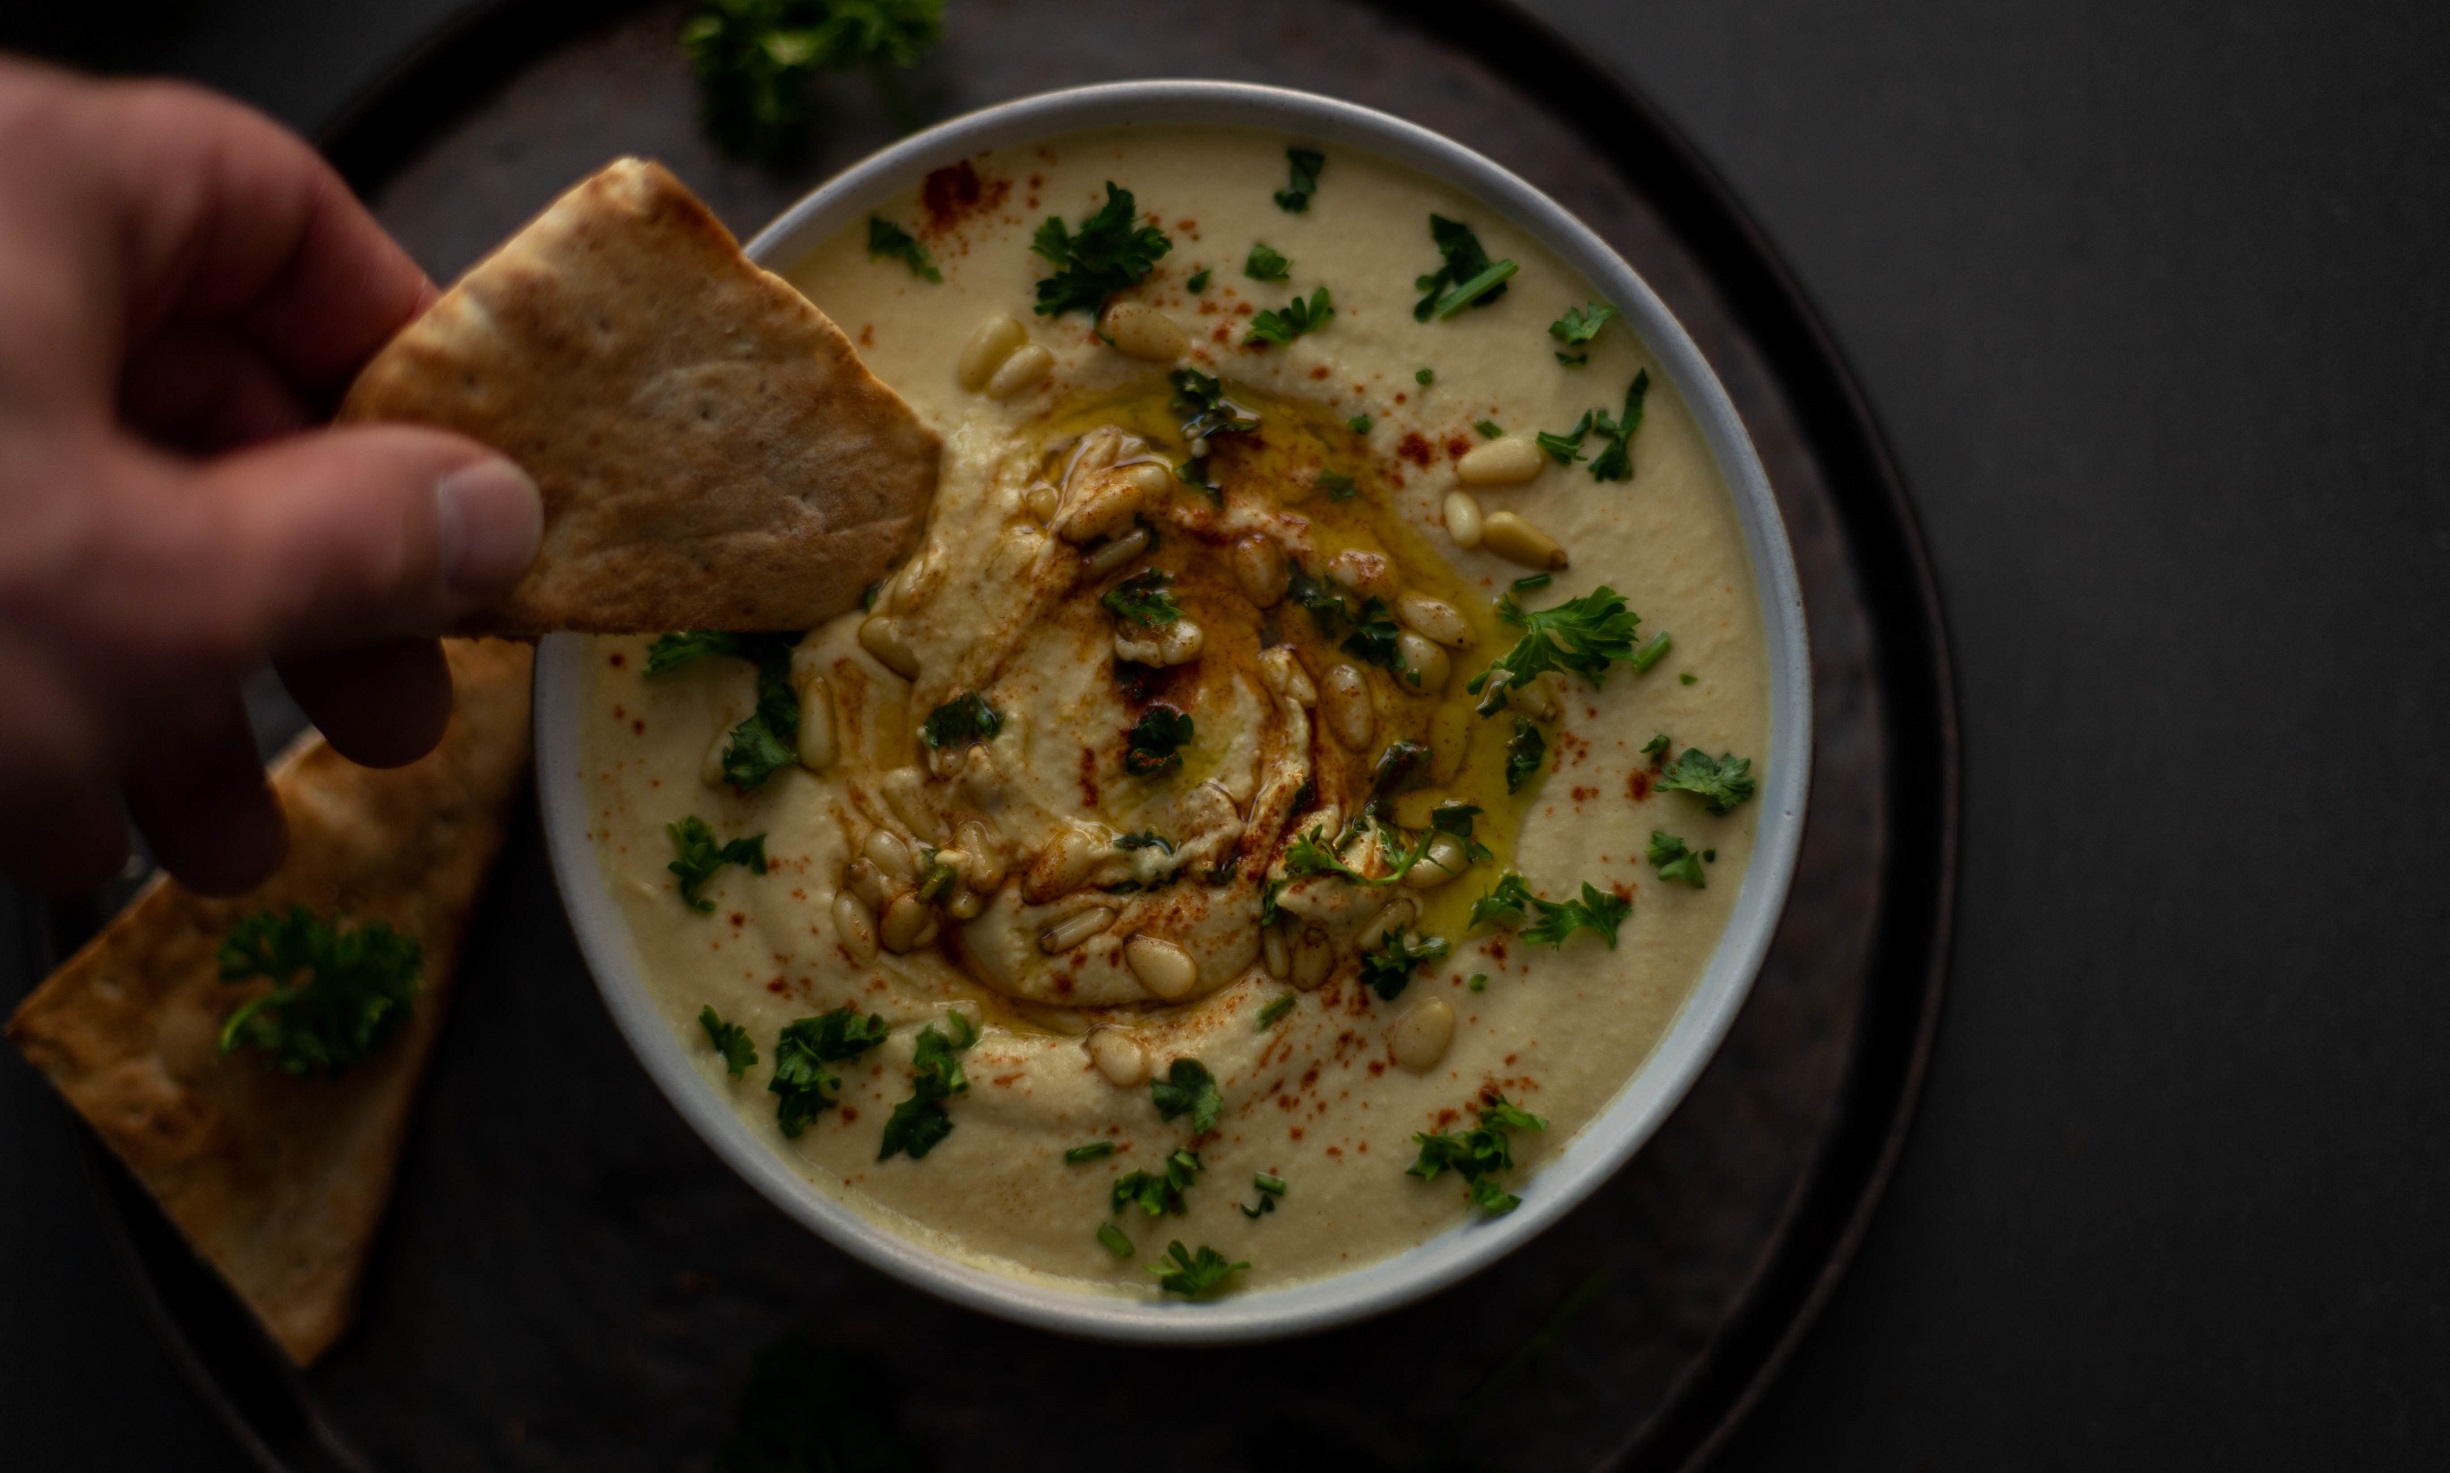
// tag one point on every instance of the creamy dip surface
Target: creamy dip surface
(971, 828)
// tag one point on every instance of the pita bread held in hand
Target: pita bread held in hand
(711, 450)
(279, 1180)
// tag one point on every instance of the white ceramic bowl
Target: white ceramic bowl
(1602, 1146)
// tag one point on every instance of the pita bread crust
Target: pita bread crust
(279, 1182)
(711, 450)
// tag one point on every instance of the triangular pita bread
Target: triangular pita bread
(281, 1182)
(712, 452)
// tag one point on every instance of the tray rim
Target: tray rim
(461, 61)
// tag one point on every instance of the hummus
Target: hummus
(1170, 743)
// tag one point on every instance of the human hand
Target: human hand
(185, 288)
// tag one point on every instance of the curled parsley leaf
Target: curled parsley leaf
(1197, 281)
(730, 1040)
(1675, 861)
(1282, 326)
(1479, 1154)
(1550, 922)
(1306, 163)
(1583, 635)
(339, 992)
(1142, 599)
(965, 719)
(1188, 1089)
(1193, 1277)
(1375, 634)
(1156, 742)
(888, 241)
(1388, 970)
(700, 856)
(1264, 263)
(803, 1088)
(921, 1122)
(1720, 782)
(1581, 324)
(1467, 279)
(1110, 253)
(1158, 1192)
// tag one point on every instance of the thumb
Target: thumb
(371, 532)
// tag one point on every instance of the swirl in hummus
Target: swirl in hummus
(1182, 847)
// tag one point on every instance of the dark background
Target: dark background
(2155, 305)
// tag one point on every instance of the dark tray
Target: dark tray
(569, 1278)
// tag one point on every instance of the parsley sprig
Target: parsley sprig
(888, 241)
(1188, 1089)
(1179, 1272)
(1720, 782)
(1110, 253)
(1615, 459)
(339, 991)
(1158, 1192)
(1266, 263)
(1578, 326)
(1142, 599)
(1526, 754)
(700, 856)
(1468, 279)
(1388, 970)
(1510, 903)
(1583, 635)
(730, 1040)
(965, 719)
(921, 1122)
(1282, 326)
(1479, 1154)
(1676, 862)
(803, 1088)
(1156, 742)
(767, 740)
(755, 61)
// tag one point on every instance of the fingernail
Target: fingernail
(489, 519)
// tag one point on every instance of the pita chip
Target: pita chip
(711, 450)
(280, 1182)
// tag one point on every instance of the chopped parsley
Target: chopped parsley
(1360, 424)
(1530, 581)
(1616, 462)
(1652, 652)
(921, 1122)
(1578, 326)
(965, 719)
(1266, 264)
(1158, 1192)
(1455, 821)
(1676, 862)
(1306, 163)
(701, 856)
(1313, 853)
(887, 240)
(1109, 254)
(730, 1040)
(755, 61)
(1094, 1151)
(1144, 839)
(1270, 1188)
(1388, 970)
(1526, 754)
(1467, 279)
(1510, 903)
(1181, 1273)
(1657, 746)
(1373, 640)
(768, 739)
(1338, 487)
(338, 993)
(1274, 1012)
(1142, 599)
(1720, 782)
(1688, 678)
(1296, 317)
(1479, 1154)
(1200, 398)
(1489, 429)
(1401, 767)
(1188, 1089)
(1424, 376)
(1478, 982)
(1156, 742)
(1197, 281)
(1112, 1238)
(802, 1086)
(1566, 448)
(1583, 635)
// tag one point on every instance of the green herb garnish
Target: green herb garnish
(1526, 753)
(1197, 281)
(1188, 1089)
(1374, 636)
(1114, 1241)
(1181, 1273)
(1479, 1154)
(1477, 982)
(1109, 254)
(1270, 1188)
(1489, 429)
(1657, 746)
(1306, 163)
(1338, 487)
(1274, 1012)
(1675, 861)
(1511, 903)
(1531, 581)
(1400, 767)
(700, 856)
(1142, 599)
(1652, 652)
(1473, 278)
(802, 1086)
(965, 719)
(1566, 448)
(1297, 317)
(1360, 424)
(1264, 264)
(1579, 325)
(1388, 970)
(1094, 1151)
(755, 60)
(1455, 821)
(1616, 462)
(1584, 635)
(1156, 742)
(921, 1122)
(1145, 839)
(768, 739)
(730, 1040)
(1424, 376)
(887, 240)
(1200, 398)
(1688, 678)
(1720, 782)
(339, 992)
(1158, 1192)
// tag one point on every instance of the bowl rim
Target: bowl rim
(1647, 1097)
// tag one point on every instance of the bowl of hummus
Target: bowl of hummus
(1315, 797)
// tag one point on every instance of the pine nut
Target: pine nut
(1517, 541)
(1041, 499)
(862, 878)
(994, 341)
(1346, 704)
(1139, 330)
(1112, 555)
(906, 794)
(1103, 510)
(1274, 953)
(1060, 867)
(1536, 698)
(1119, 1057)
(1022, 370)
(1425, 666)
(1181, 641)
(1282, 669)
(1508, 461)
(890, 854)
(1436, 618)
(1463, 519)
(1148, 475)
(986, 867)
(816, 724)
(1443, 862)
(1422, 1035)
(854, 926)
(1313, 958)
(1365, 573)
(909, 924)
(883, 638)
(1073, 929)
(1259, 566)
(965, 904)
(1162, 967)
